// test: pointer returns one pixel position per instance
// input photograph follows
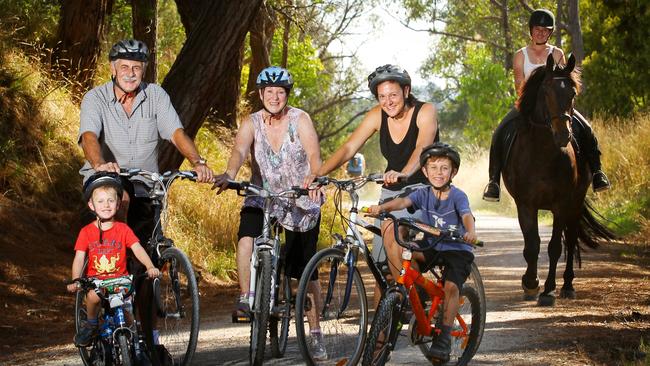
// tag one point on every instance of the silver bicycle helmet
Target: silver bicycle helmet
(385, 73)
(129, 49)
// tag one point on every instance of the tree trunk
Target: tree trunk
(190, 11)
(145, 25)
(507, 35)
(558, 20)
(202, 76)
(575, 30)
(285, 42)
(261, 41)
(82, 26)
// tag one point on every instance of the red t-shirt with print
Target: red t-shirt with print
(108, 258)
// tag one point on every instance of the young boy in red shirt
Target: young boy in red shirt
(104, 241)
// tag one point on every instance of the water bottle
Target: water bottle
(156, 337)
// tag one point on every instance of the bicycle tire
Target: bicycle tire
(260, 308)
(344, 333)
(385, 328)
(471, 312)
(96, 352)
(177, 300)
(125, 350)
(281, 316)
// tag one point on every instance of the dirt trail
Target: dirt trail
(601, 327)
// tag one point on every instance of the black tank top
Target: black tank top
(398, 155)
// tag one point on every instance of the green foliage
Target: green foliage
(487, 89)
(615, 72)
(33, 22)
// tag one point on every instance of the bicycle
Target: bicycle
(424, 325)
(175, 293)
(270, 287)
(118, 343)
(343, 314)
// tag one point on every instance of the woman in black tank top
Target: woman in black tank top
(405, 126)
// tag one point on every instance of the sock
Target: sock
(446, 329)
(93, 322)
(315, 331)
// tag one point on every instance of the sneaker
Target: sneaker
(492, 192)
(85, 336)
(242, 312)
(440, 348)
(600, 182)
(318, 352)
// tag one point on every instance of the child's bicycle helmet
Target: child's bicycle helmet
(440, 149)
(102, 179)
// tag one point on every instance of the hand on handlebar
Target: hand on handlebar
(203, 173)
(392, 177)
(221, 182)
(73, 287)
(108, 167)
(373, 210)
(153, 272)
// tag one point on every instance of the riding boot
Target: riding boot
(589, 145)
(502, 137)
(441, 346)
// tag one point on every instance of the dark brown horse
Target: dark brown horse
(544, 172)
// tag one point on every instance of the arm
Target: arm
(392, 205)
(518, 70)
(186, 147)
(309, 140)
(558, 55)
(243, 141)
(93, 153)
(369, 125)
(468, 223)
(77, 267)
(142, 256)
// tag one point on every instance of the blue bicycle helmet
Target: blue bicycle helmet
(274, 76)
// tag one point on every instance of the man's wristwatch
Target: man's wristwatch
(201, 161)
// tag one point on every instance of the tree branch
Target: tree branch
(325, 136)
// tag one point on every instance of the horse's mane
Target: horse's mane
(528, 97)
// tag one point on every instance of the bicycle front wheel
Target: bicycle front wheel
(281, 315)
(383, 331)
(177, 299)
(97, 352)
(463, 348)
(125, 350)
(261, 308)
(337, 304)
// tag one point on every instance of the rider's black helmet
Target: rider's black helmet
(129, 49)
(386, 73)
(274, 76)
(440, 149)
(102, 179)
(542, 18)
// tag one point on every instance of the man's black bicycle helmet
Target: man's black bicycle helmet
(102, 179)
(129, 49)
(440, 149)
(388, 72)
(541, 18)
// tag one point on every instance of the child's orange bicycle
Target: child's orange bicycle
(426, 297)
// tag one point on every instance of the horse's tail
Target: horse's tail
(591, 229)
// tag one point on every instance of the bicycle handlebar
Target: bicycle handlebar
(351, 184)
(442, 234)
(167, 176)
(90, 283)
(244, 188)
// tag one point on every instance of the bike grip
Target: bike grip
(364, 209)
(300, 191)
(478, 243)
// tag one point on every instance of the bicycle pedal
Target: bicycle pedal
(241, 319)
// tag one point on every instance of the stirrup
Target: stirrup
(492, 192)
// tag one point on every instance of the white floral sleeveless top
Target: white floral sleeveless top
(280, 171)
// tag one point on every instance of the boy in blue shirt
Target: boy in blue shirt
(444, 206)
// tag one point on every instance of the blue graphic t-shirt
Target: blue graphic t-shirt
(443, 214)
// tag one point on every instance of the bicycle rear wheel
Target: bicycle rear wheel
(343, 328)
(382, 335)
(177, 299)
(261, 308)
(281, 315)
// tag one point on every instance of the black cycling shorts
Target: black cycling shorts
(299, 247)
(457, 264)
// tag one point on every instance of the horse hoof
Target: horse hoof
(530, 294)
(568, 294)
(546, 300)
